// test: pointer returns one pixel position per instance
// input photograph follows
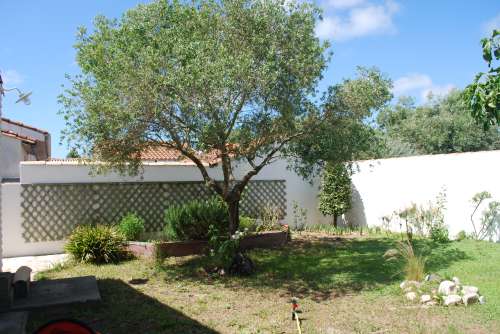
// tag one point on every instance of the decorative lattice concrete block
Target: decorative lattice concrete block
(51, 211)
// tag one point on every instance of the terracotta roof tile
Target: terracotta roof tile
(25, 139)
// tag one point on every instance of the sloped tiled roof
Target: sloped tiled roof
(6, 120)
(22, 138)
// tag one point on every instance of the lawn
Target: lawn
(344, 286)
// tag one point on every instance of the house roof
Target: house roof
(29, 127)
(25, 139)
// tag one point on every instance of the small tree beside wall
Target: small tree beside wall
(335, 193)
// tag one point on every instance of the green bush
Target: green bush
(96, 244)
(250, 224)
(131, 226)
(191, 221)
(439, 234)
(461, 235)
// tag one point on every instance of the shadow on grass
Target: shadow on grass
(122, 310)
(323, 268)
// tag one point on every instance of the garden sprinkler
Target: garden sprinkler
(295, 313)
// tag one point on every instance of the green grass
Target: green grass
(343, 284)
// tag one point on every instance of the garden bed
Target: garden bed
(271, 239)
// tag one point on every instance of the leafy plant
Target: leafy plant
(490, 219)
(269, 219)
(191, 221)
(223, 248)
(96, 244)
(461, 236)
(335, 193)
(131, 226)
(483, 95)
(299, 217)
(248, 224)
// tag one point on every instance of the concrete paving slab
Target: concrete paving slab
(59, 292)
(36, 263)
(13, 322)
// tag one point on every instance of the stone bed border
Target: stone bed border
(271, 239)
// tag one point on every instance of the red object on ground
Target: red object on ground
(65, 326)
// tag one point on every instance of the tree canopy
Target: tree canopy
(233, 77)
(335, 192)
(483, 95)
(442, 125)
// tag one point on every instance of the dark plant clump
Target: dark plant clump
(191, 221)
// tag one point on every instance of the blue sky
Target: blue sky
(422, 45)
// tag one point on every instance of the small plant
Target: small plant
(248, 224)
(96, 244)
(192, 220)
(299, 217)
(223, 249)
(270, 219)
(413, 265)
(131, 226)
(490, 219)
(461, 236)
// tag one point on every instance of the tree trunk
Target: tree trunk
(234, 216)
(335, 216)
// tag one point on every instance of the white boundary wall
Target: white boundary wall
(36, 172)
(383, 186)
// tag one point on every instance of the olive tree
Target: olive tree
(231, 77)
(335, 192)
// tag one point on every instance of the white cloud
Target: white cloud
(361, 20)
(12, 78)
(343, 4)
(421, 85)
(491, 25)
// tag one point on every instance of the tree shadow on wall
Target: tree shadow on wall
(356, 215)
(123, 309)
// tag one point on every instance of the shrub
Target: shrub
(96, 244)
(223, 249)
(439, 234)
(192, 220)
(270, 217)
(131, 226)
(247, 223)
(461, 236)
(490, 219)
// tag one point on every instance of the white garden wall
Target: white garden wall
(383, 186)
(53, 172)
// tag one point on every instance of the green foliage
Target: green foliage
(483, 95)
(413, 265)
(96, 244)
(235, 77)
(439, 234)
(299, 217)
(73, 154)
(341, 131)
(191, 221)
(489, 224)
(223, 248)
(131, 226)
(335, 192)
(248, 224)
(441, 125)
(461, 236)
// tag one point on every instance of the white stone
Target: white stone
(409, 284)
(447, 288)
(452, 300)
(467, 289)
(470, 298)
(403, 285)
(425, 298)
(456, 280)
(411, 296)
(482, 300)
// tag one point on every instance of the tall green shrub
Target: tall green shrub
(131, 226)
(191, 221)
(335, 193)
